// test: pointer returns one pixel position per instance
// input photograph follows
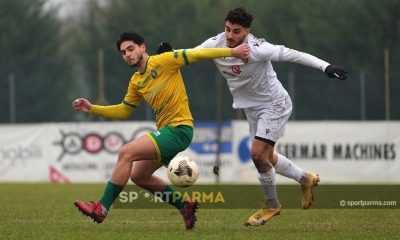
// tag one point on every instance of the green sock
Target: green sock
(169, 195)
(110, 194)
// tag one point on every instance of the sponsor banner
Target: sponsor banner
(65, 152)
(87, 152)
(23, 153)
(341, 152)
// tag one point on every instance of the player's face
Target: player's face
(235, 34)
(132, 53)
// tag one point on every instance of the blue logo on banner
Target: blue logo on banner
(244, 150)
(205, 138)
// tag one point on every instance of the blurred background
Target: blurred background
(53, 51)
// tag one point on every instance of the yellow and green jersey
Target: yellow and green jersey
(162, 87)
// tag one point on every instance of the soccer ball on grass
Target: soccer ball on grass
(182, 171)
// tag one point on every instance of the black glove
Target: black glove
(164, 47)
(335, 72)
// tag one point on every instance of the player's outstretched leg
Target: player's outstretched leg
(92, 209)
(263, 215)
(189, 213)
(307, 189)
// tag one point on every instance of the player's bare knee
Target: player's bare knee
(257, 156)
(125, 154)
(261, 161)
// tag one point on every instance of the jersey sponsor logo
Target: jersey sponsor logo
(238, 75)
(230, 74)
(236, 69)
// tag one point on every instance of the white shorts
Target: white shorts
(268, 122)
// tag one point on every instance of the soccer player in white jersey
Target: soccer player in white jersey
(267, 105)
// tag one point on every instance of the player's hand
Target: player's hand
(82, 104)
(164, 47)
(241, 51)
(335, 72)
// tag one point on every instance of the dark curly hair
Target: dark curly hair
(240, 16)
(129, 36)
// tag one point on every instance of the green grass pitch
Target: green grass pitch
(46, 211)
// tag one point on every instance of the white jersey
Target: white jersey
(255, 83)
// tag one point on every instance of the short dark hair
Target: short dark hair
(240, 16)
(129, 36)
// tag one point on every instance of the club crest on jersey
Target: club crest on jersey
(236, 69)
(153, 73)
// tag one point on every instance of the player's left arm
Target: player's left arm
(283, 54)
(309, 60)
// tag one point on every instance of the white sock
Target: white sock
(268, 184)
(287, 168)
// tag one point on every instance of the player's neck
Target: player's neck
(142, 65)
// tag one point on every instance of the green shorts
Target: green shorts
(169, 141)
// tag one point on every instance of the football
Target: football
(182, 171)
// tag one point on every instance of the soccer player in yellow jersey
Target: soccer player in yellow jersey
(159, 83)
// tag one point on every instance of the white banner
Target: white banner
(23, 154)
(341, 152)
(67, 152)
(87, 152)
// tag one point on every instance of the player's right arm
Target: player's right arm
(120, 111)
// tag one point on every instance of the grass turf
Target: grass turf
(46, 211)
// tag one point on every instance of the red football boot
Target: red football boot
(188, 212)
(92, 209)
